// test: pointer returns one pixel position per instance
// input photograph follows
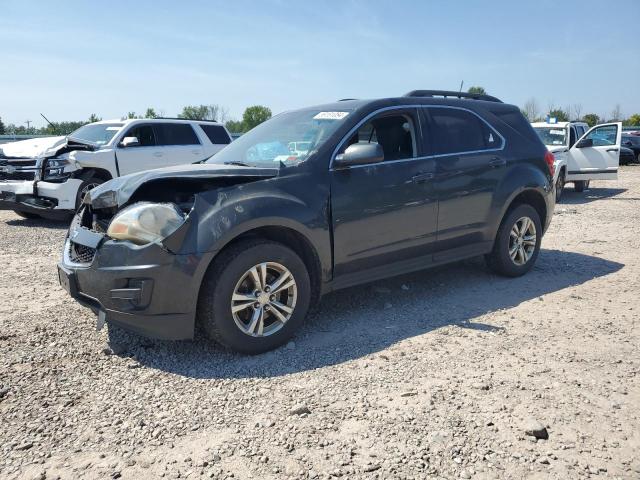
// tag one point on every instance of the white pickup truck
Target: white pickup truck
(581, 154)
(48, 177)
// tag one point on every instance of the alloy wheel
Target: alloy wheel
(264, 299)
(85, 190)
(522, 241)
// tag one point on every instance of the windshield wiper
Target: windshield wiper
(240, 164)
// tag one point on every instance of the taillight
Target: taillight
(550, 160)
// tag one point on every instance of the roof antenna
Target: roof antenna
(52, 125)
(461, 84)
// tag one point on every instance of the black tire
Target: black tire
(85, 186)
(27, 215)
(559, 186)
(499, 260)
(214, 304)
(638, 158)
(581, 185)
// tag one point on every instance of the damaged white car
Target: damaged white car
(48, 177)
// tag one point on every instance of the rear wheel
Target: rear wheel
(27, 215)
(254, 296)
(559, 186)
(517, 243)
(581, 185)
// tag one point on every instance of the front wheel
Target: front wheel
(559, 186)
(85, 187)
(517, 243)
(254, 297)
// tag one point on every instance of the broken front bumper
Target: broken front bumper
(46, 198)
(145, 289)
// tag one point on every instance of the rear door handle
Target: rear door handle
(497, 163)
(158, 154)
(612, 149)
(422, 177)
(195, 152)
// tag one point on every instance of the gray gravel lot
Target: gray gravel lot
(448, 373)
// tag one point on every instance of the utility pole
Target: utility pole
(28, 122)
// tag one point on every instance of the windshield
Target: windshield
(552, 136)
(290, 138)
(98, 133)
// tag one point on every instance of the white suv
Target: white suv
(581, 154)
(48, 177)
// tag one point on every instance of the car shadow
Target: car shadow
(39, 223)
(363, 320)
(571, 197)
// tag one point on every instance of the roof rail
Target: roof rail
(450, 93)
(187, 119)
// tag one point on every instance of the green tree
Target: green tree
(2, 127)
(254, 116)
(234, 126)
(591, 119)
(204, 112)
(150, 113)
(94, 118)
(559, 114)
(477, 90)
(632, 121)
(131, 115)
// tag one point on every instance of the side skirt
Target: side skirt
(407, 266)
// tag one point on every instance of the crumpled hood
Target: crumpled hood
(32, 148)
(118, 191)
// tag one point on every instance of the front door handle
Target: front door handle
(497, 163)
(422, 177)
(612, 149)
(158, 154)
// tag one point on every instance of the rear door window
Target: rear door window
(459, 131)
(216, 133)
(176, 134)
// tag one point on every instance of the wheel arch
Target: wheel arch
(286, 235)
(101, 173)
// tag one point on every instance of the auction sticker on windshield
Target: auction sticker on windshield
(556, 132)
(330, 115)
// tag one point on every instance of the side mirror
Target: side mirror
(129, 142)
(360, 154)
(584, 143)
(628, 143)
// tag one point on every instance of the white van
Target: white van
(581, 154)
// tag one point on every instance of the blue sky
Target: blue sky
(70, 59)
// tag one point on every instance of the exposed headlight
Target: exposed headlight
(146, 222)
(55, 168)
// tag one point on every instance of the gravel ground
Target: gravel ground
(448, 373)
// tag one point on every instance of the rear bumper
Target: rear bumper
(144, 289)
(49, 199)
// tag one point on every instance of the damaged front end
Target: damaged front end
(130, 254)
(39, 184)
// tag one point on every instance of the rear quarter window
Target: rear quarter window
(216, 133)
(518, 122)
(176, 134)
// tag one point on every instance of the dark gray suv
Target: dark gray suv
(311, 201)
